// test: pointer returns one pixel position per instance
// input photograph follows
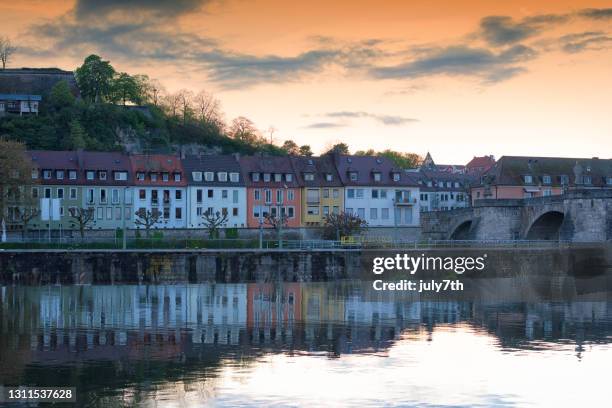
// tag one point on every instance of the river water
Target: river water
(310, 344)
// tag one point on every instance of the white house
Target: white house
(377, 192)
(215, 185)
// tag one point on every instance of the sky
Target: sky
(454, 78)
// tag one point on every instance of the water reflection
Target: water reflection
(301, 344)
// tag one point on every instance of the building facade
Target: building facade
(322, 192)
(215, 184)
(19, 104)
(272, 189)
(377, 192)
(441, 191)
(160, 186)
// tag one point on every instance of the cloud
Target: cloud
(391, 120)
(589, 40)
(461, 60)
(596, 14)
(160, 8)
(504, 30)
(324, 125)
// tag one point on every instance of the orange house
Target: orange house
(272, 189)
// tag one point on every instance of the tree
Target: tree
(339, 148)
(95, 79)
(403, 160)
(341, 225)
(126, 88)
(147, 219)
(207, 108)
(277, 222)
(305, 150)
(25, 214)
(244, 129)
(82, 217)
(6, 51)
(15, 178)
(60, 95)
(77, 138)
(185, 104)
(291, 148)
(213, 221)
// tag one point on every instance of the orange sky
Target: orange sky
(454, 78)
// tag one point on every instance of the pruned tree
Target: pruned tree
(82, 217)
(213, 221)
(25, 215)
(342, 224)
(147, 219)
(6, 51)
(277, 221)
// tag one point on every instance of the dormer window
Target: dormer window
(177, 177)
(289, 177)
(209, 176)
(234, 177)
(47, 174)
(377, 176)
(353, 175)
(564, 179)
(586, 179)
(222, 175)
(609, 181)
(308, 176)
(329, 177)
(72, 174)
(153, 176)
(34, 174)
(255, 176)
(140, 176)
(266, 177)
(278, 177)
(528, 179)
(546, 179)
(91, 175)
(396, 177)
(59, 174)
(102, 175)
(588, 168)
(197, 175)
(310, 162)
(121, 175)
(165, 177)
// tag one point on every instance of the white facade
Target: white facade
(223, 199)
(384, 206)
(443, 200)
(112, 205)
(171, 202)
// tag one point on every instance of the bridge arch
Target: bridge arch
(461, 231)
(547, 226)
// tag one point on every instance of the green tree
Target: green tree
(340, 148)
(305, 150)
(291, 147)
(77, 138)
(126, 88)
(403, 160)
(15, 178)
(60, 95)
(95, 79)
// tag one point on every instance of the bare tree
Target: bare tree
(82, 217)
(207, 108)
(277, 222)
(244, 129)
(171, 104)
(185, 104)
(271, 131)
(213, 221)
(342, 224)
(25, 215)
(6, 50)
(147, 219)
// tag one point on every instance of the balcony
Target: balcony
(404, 201)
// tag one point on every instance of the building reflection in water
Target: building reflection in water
(133, 339)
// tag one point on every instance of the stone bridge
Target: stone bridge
(581, 216)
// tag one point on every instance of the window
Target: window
(211, 193)
(312, 195)
(290, 195)
(197, 175)
(329, 177)
(100, 213)
(396, 177)
(256, 211)
(350, 193)
(586, 179)
(109, 213)
(336, 193)
(199, 196)
(235, 196)
(377, 176)
(117, 213)
(289, 177)
(374, 193)
(34, 174)
(374, 213)
(257, 194)
(115, 196)
(255, 176)
(290, 212)
(546, 179)
(178, 194)
(326, 193)
(266, 177)
(34, 192)
(353, 175)
(278, 177)
(547, 192)
(222, 176)
(456, 184)
(312, 210)
(59, 174)
(90, 196)
(199, 211)
(178, 213)
(47, 174)
(528, 179)
(349, 210)
(121, 175)
(234, 177)
(361, 213)
(60, 193)
(142, 194)
(268, 196)
(154, 197)
(564, 179)
(384, 213)
(224, 211)
(153, 176)
(383, 193)
(235, 212)
(325, 210)
(73, 193)
(166, 213)
(308, 177)
(140, 176)
(102, 175)
(209, 176)
(177, 177)
(47, 193)
(359, 193)
(336, 209)
(609, 181)
(102, 196)
(166, 196)
(72, 174)
(165, 177)
(279, 196)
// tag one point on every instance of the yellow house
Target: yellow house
(322, 190)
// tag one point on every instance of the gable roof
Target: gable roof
(366, 166)
(214, 163)
(320, 167)
(268, 164)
